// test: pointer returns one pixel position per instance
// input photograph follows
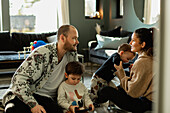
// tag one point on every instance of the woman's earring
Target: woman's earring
(143, 44)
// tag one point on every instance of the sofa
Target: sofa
(11, 43)
(16, 41)
(106, 44)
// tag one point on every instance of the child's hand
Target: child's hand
(118, 67)
(72, 108)
(91, 107)
(130, 66)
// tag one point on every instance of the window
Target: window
(151, 11)
(92, 9)
(117, 8)
(121, 8)
(33, 15)
(1, 29)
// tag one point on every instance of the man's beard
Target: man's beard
(69, 47)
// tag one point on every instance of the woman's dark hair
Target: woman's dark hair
(75, 67)
(146, 35)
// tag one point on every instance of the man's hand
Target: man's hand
(38, 109)
(118, 67)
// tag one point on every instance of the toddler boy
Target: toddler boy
(72, 93)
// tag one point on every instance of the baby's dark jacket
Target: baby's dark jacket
(107, 69)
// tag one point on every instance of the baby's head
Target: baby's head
(74, 71)
(124, 50)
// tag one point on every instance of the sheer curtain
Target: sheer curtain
(1, 28)
(151, 11)
(63, 12)
(147, 11)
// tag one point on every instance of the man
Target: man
(34, 84)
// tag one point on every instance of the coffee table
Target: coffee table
(11, 59)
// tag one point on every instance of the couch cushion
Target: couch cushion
(124, 33)
(110, 42)
(20, 40)
(100, 55)
(52, 39)
(111, 33)
(5, 43)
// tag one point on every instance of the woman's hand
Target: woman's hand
(38, 109)
(118, 67)
(72, 108)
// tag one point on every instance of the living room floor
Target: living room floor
(5, 81)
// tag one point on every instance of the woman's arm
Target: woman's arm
(140, 77)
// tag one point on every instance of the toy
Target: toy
(80, 109)
(36, 44)
(77, 110)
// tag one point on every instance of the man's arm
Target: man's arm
(26, 77)
(38, 109)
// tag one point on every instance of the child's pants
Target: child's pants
(96, 84)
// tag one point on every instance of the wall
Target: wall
(129, 21)
(139, 8)
(5, 15)
(164, 98)
(86, 27)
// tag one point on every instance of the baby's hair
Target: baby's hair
(75, 68)
(125, 47)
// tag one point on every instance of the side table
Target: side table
(27, 51)
(86, 54)
(80, 56)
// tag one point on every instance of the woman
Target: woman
(135, 92)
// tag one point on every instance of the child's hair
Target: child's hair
(75, 67)
(125, 47)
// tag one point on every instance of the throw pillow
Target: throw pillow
(111, 33)
(5, 43)
(52, 39)
(110, 42)
(21, 40)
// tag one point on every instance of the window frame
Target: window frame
(97, 9)
(118, 9)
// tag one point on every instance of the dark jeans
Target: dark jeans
(124, 101)
(20, 107)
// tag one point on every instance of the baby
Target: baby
(105, 73)
(72, 94)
